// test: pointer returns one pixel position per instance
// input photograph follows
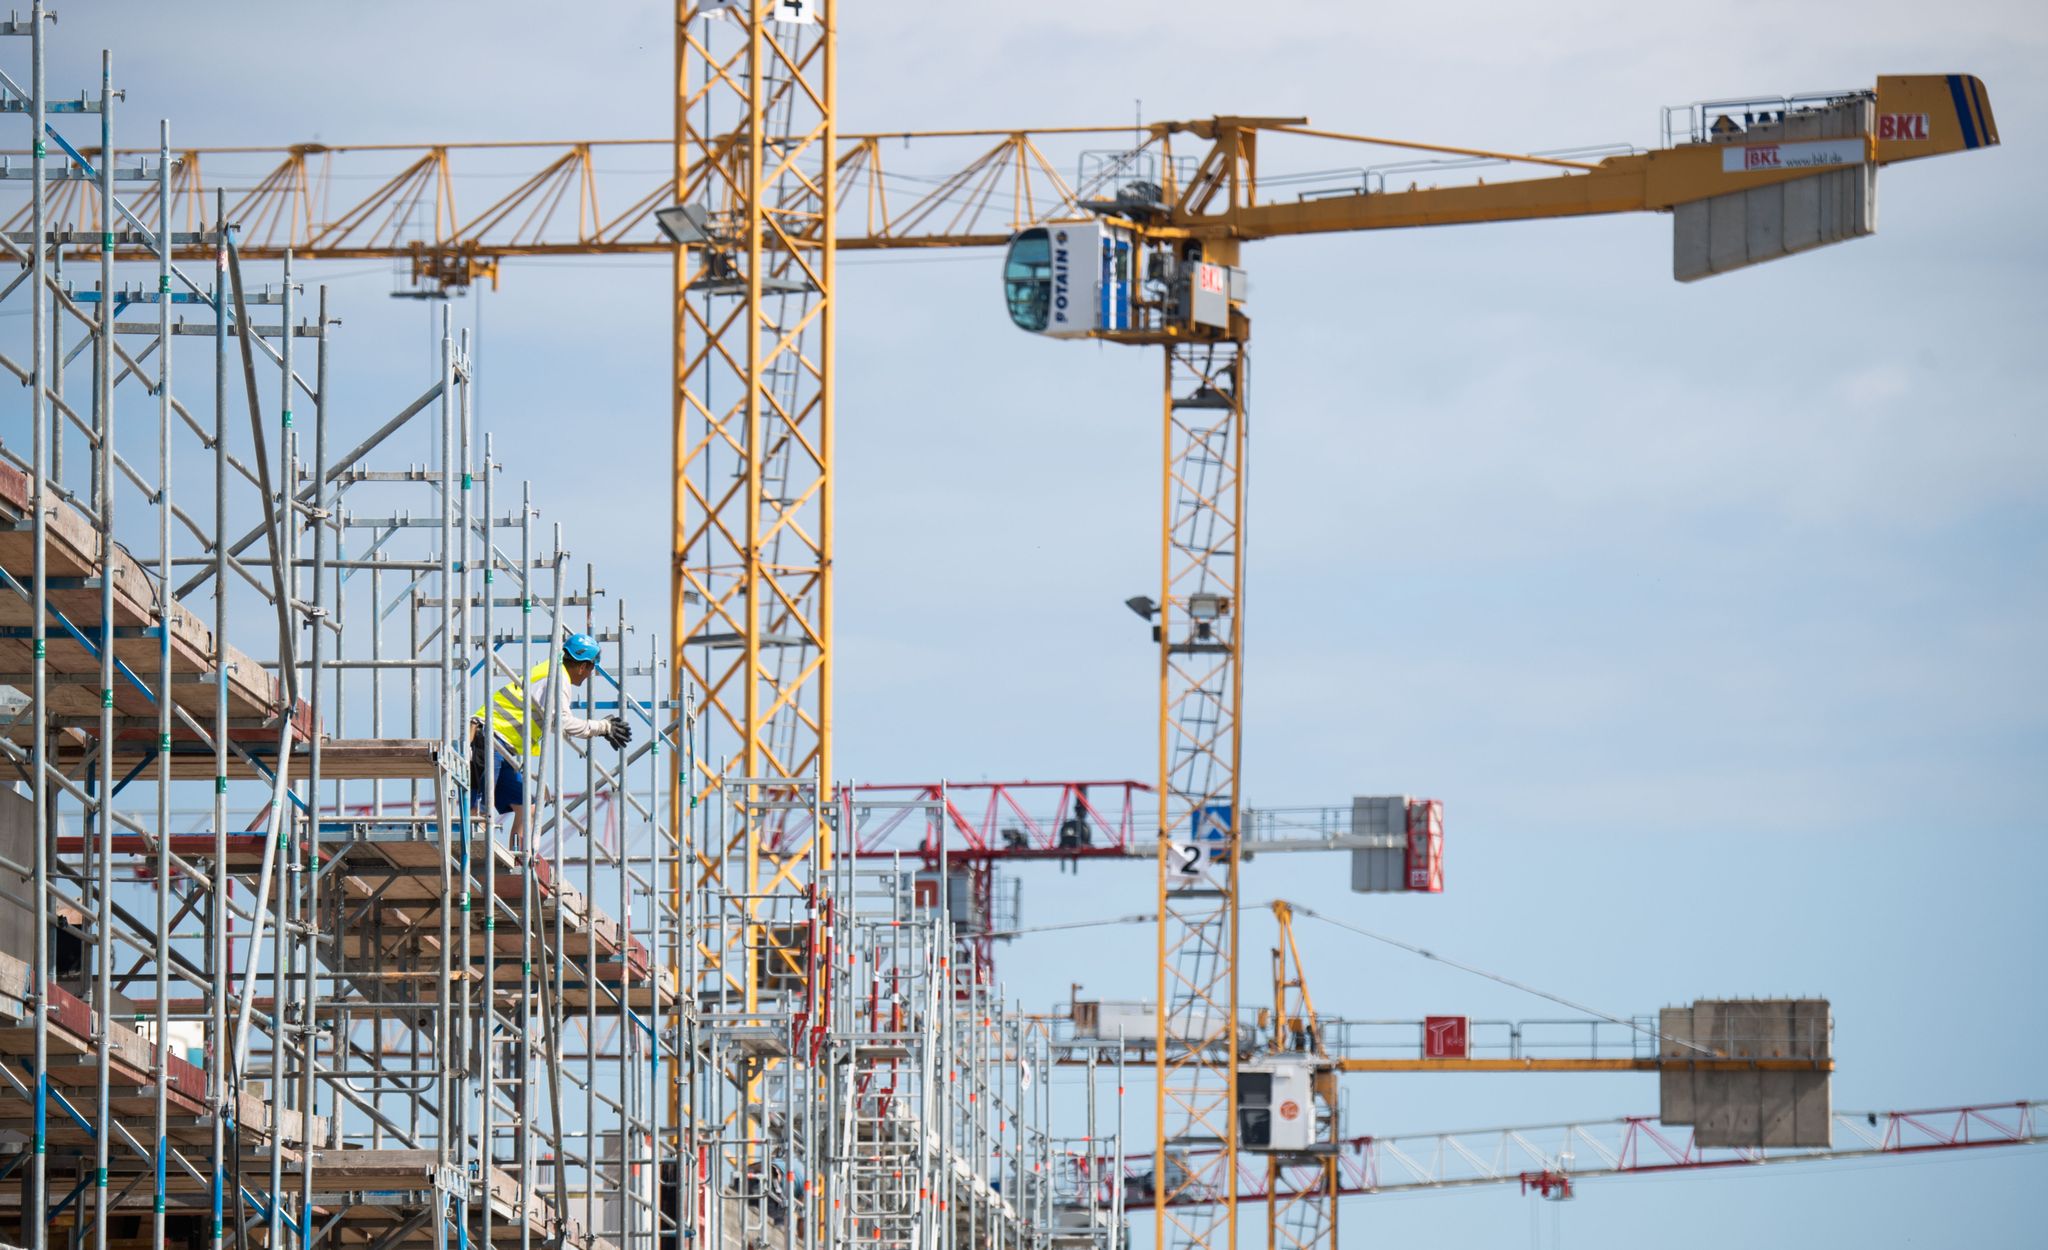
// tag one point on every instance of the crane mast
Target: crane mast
(1201, 696)
(754, 157)
(751, 584)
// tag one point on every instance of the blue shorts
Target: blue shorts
(510, 791)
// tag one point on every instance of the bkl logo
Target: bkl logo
(1902, 126)
(1762, 156)
(1209, 278)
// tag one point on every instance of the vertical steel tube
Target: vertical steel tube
(529, 880)
(958, 1124)
(217, 965)
(309, 1023)
(466, 1039)
(444, 973)
(995, 1045)
(280, 1045)
(555, 766)
(1000, 1097)
(989, 1042)
(592, 1183)
(103, 503)
(412, 682)
(757, 143)
(1088, 1176)
(1007, 1131)
(687, 893)
(487, 1053)
(628, 1027)
(161, 955)
(657, 1017)
(55, 381)
(1043, 1114)
(1044, 1070)
(39, 787)
(991, 1086)
(376, 673)
(558, 958)
(1116, 1205)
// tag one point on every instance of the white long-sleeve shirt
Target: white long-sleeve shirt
(551, 699)
(555, 693)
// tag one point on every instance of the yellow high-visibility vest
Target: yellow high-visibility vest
(508, 708)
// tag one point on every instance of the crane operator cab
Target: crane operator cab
(1071, 278)
(1286, 1104)
(1099, 279)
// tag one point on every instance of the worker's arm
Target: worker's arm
(555, 700)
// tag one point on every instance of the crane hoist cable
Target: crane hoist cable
(1510, 982)
(1143, 918)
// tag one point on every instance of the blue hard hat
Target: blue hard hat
(580, 647)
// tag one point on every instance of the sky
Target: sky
(1713, 612)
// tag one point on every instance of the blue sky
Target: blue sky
(1714, 613)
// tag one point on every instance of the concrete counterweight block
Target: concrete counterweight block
(1748, 1106)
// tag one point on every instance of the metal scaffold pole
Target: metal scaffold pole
(160, 954)
(484, 1051)
(309, 865)
(217, 968)
(100, 820)
(37, 1220)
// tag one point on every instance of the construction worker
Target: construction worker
(514, 735)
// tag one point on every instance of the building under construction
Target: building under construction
(272, 974)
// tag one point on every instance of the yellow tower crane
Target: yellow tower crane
(1144, 247)
(1747, 1076)
(1158, 261)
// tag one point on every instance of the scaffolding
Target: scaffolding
(852, 1081)
(267, 975)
